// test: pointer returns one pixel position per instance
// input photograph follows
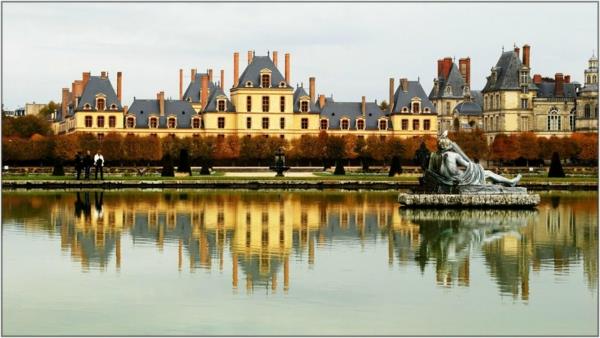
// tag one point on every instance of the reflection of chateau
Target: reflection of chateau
(263, 232)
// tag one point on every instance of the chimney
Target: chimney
(363, 106)
(517, 50)
(193, 75)
(222, 79)
(160, 97)
(440, 66)
(103, 74)
(204, 91)
(404, 84)
(526, 54)
(537, 79)
(236, 68)
(119, 86)
(567, 78)
(64, 102)
(275, 57)
(287, 68)
(321, 101)
(558, 85)
(181, 84)
(250, 55)
(465, 69)
(311, 89)
(446, 66)
(391, 102)
(210, 75)
(85, 78)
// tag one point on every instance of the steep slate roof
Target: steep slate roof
(468, 108)
(193, 89)
(252, 73)
(211, 104)
(546, 90)
(402, 99)
(455, 81)
(334, 111)
(507, 68)
(143, 109)
(300, 92)
(477, 97)
(98, 85)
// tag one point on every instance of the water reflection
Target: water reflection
(261, 232)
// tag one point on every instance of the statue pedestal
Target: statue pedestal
(478, 200)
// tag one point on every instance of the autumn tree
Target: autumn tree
(336, 152)
(528, 146)
(26, 126)
(112, 148)
(504, 148)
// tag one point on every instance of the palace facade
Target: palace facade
(262, 101)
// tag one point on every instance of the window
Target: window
(282, 104)
(416, 124)
(524, 89)
(130, 122)
(100, 104)
(524, 123)
(304, 106)
(265, 104)
(524, 79)
(113, 106)
(87, 106)
(88, 121)
(265, 80)
(383, 124)
(282, 123)
(426, 110)
(221, 105)
(415, 107)
(524, 103)
(100, 121)
(587, 111)
(248, 83)
(304, 123)
(196, 123)
(426, 124)
(265, 123)
(221, 122)
(248, 103)
(171, 122)
(360, 124)
(153, 122)
(448, 111)
(448, 90)
(553, 120)
(404, 124)
(344, 124)
(572, 120)
(112, 122)
(497, 101)
(324, 124)
(248, 122)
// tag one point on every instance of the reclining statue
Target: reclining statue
(445, 167)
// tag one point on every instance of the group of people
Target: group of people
(86, 162)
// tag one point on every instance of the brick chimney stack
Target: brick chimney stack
(250, 55)
(363, 106)
(287, 68)
(85, 78)
(526, 55)
(160, 97)
(181, 84)
(404, 84)
(567, 78)
(210, 75)
(311, 89)
(119, 86)
(446, 67)
(236, 68)
(464, 65)
(204, 91)
(517, 50)
(537, 79)
(103, 74)
(275, 58)
(222, 79)
(321, 101)
(193, 75)
(558, 85)
(440, 64)
(391, 102)
(65, 101)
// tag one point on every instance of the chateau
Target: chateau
(262, 101)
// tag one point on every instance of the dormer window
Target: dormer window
(494, 75)
(282, 84)
(221, 105)
(248, 83)
(130, 122)
(360, 124)
(324, 124)
(189, 99)
(171, 122)
(524, 77)
(426, 110)
(383, 125)
(196, 122)
(87, 106)
(304, 106)
(154, 122)
(466, 91)
(405, 109)
(448, 90)
(100, 104)
(265, 80)
(345, 124)
(416, 107)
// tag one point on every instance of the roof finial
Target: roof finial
(302, 84)
(268, 53)
(418, 79)
(502, 48)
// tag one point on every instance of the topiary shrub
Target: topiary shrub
(556, 169)
(184, 162)
(59, 169)
(167, 170)
(395, 167)
(339, 168)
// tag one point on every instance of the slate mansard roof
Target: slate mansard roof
(454, 80)
(300, 92)
(404, 98)
(252, 73)
(192, 93)
(335, 111)
(144, 109)
(97, 86)
(546, 90)
(507, 70)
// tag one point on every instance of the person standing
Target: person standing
(99, 163)
(78, 164)
(87, 163)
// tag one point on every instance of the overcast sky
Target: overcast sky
(351, 49)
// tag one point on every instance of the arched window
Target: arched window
(345, 124)
(265, 80)
(154, 122)
(171, 122)
(130, 122)
(497, 101)
(324, 124)
(426, 110)
(405, 109)
(448, 90)
(113, 106)
(248, 103)
(587, 113)
(594, 79)
(553, 120)
(100, 104)
(248, 83)
(588, 79)
(282, 84)
(360, 124)
(87, 106)
(416, 107)
(448, 111)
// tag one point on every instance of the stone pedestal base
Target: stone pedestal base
(500, 200)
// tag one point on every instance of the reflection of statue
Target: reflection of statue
(445, 164)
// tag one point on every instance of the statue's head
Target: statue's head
(444, 144)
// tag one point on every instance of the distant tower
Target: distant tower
(591, 74)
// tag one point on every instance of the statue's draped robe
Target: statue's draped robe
(473, 174)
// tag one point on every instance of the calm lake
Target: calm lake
(282, 263)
